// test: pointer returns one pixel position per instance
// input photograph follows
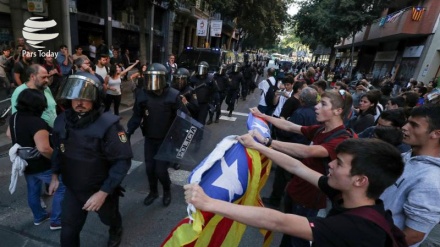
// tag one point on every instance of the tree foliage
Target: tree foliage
(259, 21)
(327, 21)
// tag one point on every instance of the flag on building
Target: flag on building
(231, 173)
(417, 13)
(393, 17)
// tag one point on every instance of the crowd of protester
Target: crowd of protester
(310, 118)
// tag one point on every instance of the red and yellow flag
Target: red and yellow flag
(242, 186)
(417, 13)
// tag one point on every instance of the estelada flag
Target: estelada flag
(417, 13)
(231, 173)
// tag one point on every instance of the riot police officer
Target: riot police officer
(204, 88)
(235, 80)
(187, 93)
(221, 84)
(154, 111)
(93, 155)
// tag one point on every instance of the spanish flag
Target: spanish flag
(417, 13)
(231, 173)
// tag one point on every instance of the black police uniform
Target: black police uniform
(235, 78)
(156, 113)
(192, 106)
(204, 88)
(221, 83)
(90, 157)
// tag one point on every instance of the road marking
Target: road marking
(134, 164)
(126, 109)
(228, 118)
(237, 113)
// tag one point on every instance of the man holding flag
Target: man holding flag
(361, 172)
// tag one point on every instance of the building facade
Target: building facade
(404, 43)
(127, 24)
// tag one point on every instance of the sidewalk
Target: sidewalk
(127, 102)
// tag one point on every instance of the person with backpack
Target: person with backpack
(302, 198)
(268, 88)
(364, 168)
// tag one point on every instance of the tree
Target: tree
(326, 22)
(260, 21)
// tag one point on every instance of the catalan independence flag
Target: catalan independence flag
(231, 173)
(417, 13)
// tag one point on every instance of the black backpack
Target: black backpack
(270, 94)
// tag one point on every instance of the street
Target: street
(143, 226)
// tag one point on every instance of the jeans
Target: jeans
(291, 207)
(34, 183)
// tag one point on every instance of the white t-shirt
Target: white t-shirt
(116, 84)
(101, 71)
(281, 102)
(92, 50)
(264, 86)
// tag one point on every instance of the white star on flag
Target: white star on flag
(263, 129)
(228, 180)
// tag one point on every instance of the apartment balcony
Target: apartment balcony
(397, 25)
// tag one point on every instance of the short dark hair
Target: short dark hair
(395, 116)
(63, 46)
(381, 162)
(431, 113)
(321, 84)
(297, 86)
(288, 79)
(411, 99)
(389, 134)
(270, 72)
(32, 101)
(399, 101)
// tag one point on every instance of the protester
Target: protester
(65, 60)
(362, 170)
(20, 68)
(413, 199)
(113, 85)
(171, 67)
(301, 198)
(265, 85)
(92, 155)
(30, 105)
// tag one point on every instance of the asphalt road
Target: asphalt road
(143, 226)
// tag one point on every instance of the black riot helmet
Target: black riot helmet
(236, 68)
(180, 79)
(202, 68)
(222, 69)
(82, 85)
(155, 77)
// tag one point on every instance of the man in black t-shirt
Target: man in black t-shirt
(361, 172)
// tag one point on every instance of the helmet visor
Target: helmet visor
(79, 87)
(202, 70)
(155, 80)
(179, 81)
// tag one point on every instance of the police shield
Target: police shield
(186, 143)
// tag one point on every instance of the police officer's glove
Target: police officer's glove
(119, 191)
